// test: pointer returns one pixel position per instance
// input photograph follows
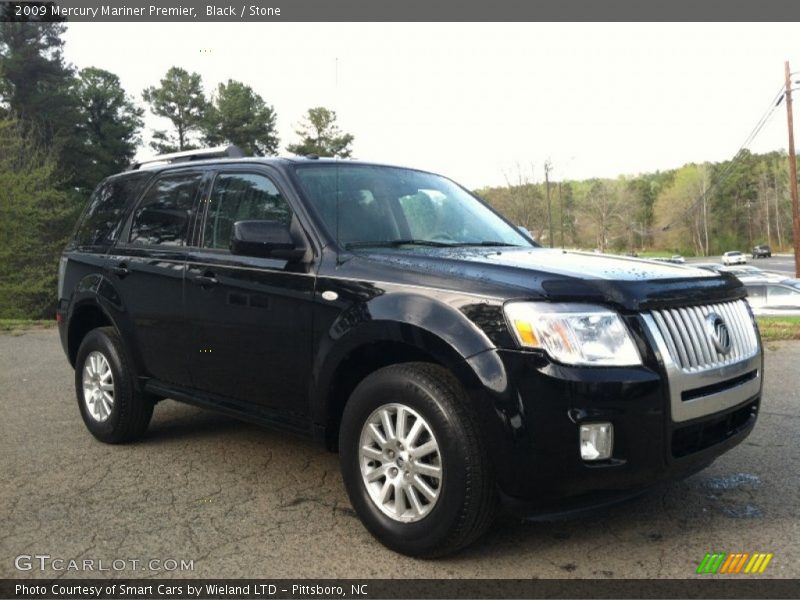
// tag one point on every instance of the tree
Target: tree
(566, 211)
(320, 135)
(180, 99)
(37, 87)
(35, 216)
(240, 116)
(110, 125)
(736, 193)
(525, 204)
(682, 211)
(603, 209)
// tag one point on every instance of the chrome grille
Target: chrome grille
(689, 343)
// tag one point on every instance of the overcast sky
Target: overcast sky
(473, 101)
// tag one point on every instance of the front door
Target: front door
(251, 316)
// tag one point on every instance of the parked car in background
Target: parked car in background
(775, 299)
(675, 260)
(762, 251)
(795, 283)
(734, 257)
(746, 272)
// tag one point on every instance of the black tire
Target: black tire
(467, 502)
(132, 409)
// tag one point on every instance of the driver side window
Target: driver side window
(241, 197)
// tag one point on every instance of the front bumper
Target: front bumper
(541, 405)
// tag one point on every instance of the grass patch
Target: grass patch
(20, 325)
(774, 329)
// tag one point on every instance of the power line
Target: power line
(723, 176)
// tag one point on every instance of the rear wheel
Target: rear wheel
(413, 461)
(113, 410)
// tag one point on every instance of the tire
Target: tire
(465, 501)
(119, 414)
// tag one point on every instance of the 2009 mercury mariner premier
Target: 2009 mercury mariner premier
(389, 313)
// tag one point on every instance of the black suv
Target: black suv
(390, 314)
(762, 251)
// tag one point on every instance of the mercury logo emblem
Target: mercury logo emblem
(718, 333)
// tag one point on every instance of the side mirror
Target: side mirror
(265, 239)
(524, 230)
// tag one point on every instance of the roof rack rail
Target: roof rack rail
(189, 155)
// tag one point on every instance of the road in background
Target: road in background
(781, 264)
(241, 501)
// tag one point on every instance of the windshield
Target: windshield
(372, 206)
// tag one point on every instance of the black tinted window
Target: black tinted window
(163, 216)
(241, 197)
(101, 221)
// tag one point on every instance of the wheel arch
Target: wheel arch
(375, 345)
(86, 316)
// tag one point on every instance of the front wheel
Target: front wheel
(413, 461)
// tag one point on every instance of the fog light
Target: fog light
(597, 441)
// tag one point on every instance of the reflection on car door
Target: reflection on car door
(251, 316)
(147, 266)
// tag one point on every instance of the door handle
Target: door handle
(206, 280)
(120, 270)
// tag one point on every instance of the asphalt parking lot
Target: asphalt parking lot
(779, 263)
(241, 501)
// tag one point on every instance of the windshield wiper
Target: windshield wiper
(397, 243)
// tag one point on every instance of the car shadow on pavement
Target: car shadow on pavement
(190, 422)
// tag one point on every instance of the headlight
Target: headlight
(574, 334)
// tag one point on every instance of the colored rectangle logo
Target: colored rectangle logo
(736, 563)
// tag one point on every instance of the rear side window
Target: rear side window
(162, 218)
(778, 292)
(102, 219)
(755, 292)
(241, 197)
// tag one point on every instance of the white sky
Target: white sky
(473, 101)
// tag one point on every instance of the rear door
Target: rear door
(783, 298)
(251, 316)
(148, 266)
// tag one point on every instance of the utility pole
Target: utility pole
(793, 172)
(561, 212)
(547, 167)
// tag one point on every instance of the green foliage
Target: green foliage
(110, 126)
(179, 98)
(19, 326)
(34, 218)
(240, 116)
(36, 83)
(38, 87)
(683, 211)
(699, 210)
(320, 135)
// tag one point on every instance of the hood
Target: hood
(557, 275)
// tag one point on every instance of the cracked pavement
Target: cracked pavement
(242, 501)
